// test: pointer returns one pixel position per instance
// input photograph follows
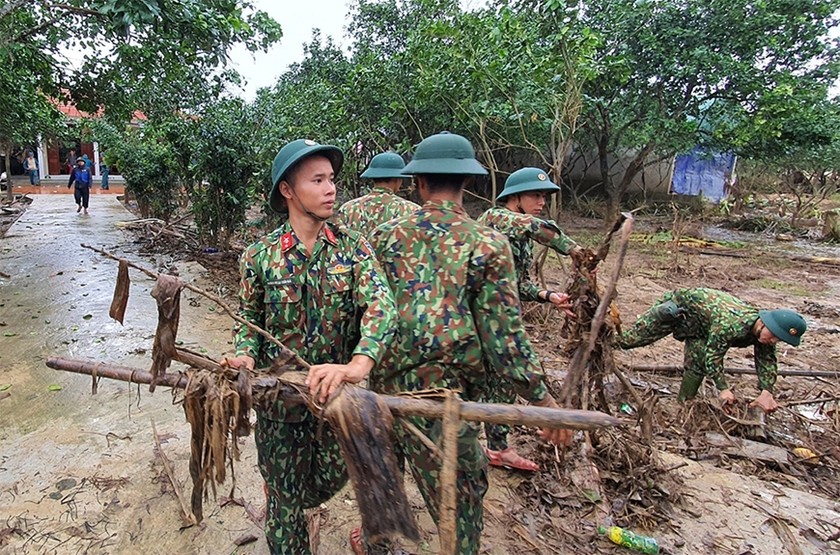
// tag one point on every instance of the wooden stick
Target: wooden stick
(186, 513)
(424, 439)
(400, 405)
(284, 351)
(811, 401)
(448, 494)
(729, 370)
(733, 254)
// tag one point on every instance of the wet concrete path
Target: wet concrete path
(78, 472)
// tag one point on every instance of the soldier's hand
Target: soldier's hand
(561, 300)
(242, 361)
(726, 397)
(324, 379)
(557, 436)
(766, 401)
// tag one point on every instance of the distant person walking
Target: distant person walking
(30, 165)
(80, 176)
(104, 170)
(71, 160)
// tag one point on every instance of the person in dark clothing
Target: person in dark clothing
(82, 179)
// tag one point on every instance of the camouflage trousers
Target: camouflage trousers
(497, 434)
(302, 470)
(653, 326)
(471, 481)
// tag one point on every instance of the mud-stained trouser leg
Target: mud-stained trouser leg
(302, 471)
(471, 481)
(654, 324)
(497, 434)
(694, 362)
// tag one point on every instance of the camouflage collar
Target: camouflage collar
(445, 205)
(382, 190)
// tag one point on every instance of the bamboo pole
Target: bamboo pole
(400, 405)
(734, 254)
(730, 370)
(448, 495)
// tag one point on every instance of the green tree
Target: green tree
(149, 55)
(147, 162)
(228, 167)
(663, 67)
(25, 109)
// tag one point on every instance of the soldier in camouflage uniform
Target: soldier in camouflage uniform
(710, 322)
(382, 204)
(517, 218)
(318, 289)
(459, 321)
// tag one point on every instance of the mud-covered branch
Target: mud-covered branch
(287, 386)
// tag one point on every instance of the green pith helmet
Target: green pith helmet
(387, 165)
(525, 180)
(290, 155)
(785, 324)
(444, 153)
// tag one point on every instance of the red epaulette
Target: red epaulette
(328, 233)
(287, 241)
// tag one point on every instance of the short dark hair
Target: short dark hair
(449, 182)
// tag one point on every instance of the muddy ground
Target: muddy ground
(80, 474)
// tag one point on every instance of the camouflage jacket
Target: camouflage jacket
(326, 307)
(520, 229)
(724, 321)
(455, 288)
(363, 214)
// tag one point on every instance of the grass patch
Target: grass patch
(787, 287)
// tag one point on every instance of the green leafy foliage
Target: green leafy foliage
(148, 163)
(675, 74)
(225, 159)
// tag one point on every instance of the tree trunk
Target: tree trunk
(616, 193)
(10, 196)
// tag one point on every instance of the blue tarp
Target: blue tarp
(703, 173)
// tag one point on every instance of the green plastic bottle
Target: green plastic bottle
(631, 540)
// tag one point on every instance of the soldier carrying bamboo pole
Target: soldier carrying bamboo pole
(318, 289)
(459, 320)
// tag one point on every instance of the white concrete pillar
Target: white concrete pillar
(95, 159)
(43, 159)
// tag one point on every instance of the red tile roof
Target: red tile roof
(72, 112)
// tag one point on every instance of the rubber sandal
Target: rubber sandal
(357, 545)
(508, 458)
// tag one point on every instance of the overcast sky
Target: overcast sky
(297, 19)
